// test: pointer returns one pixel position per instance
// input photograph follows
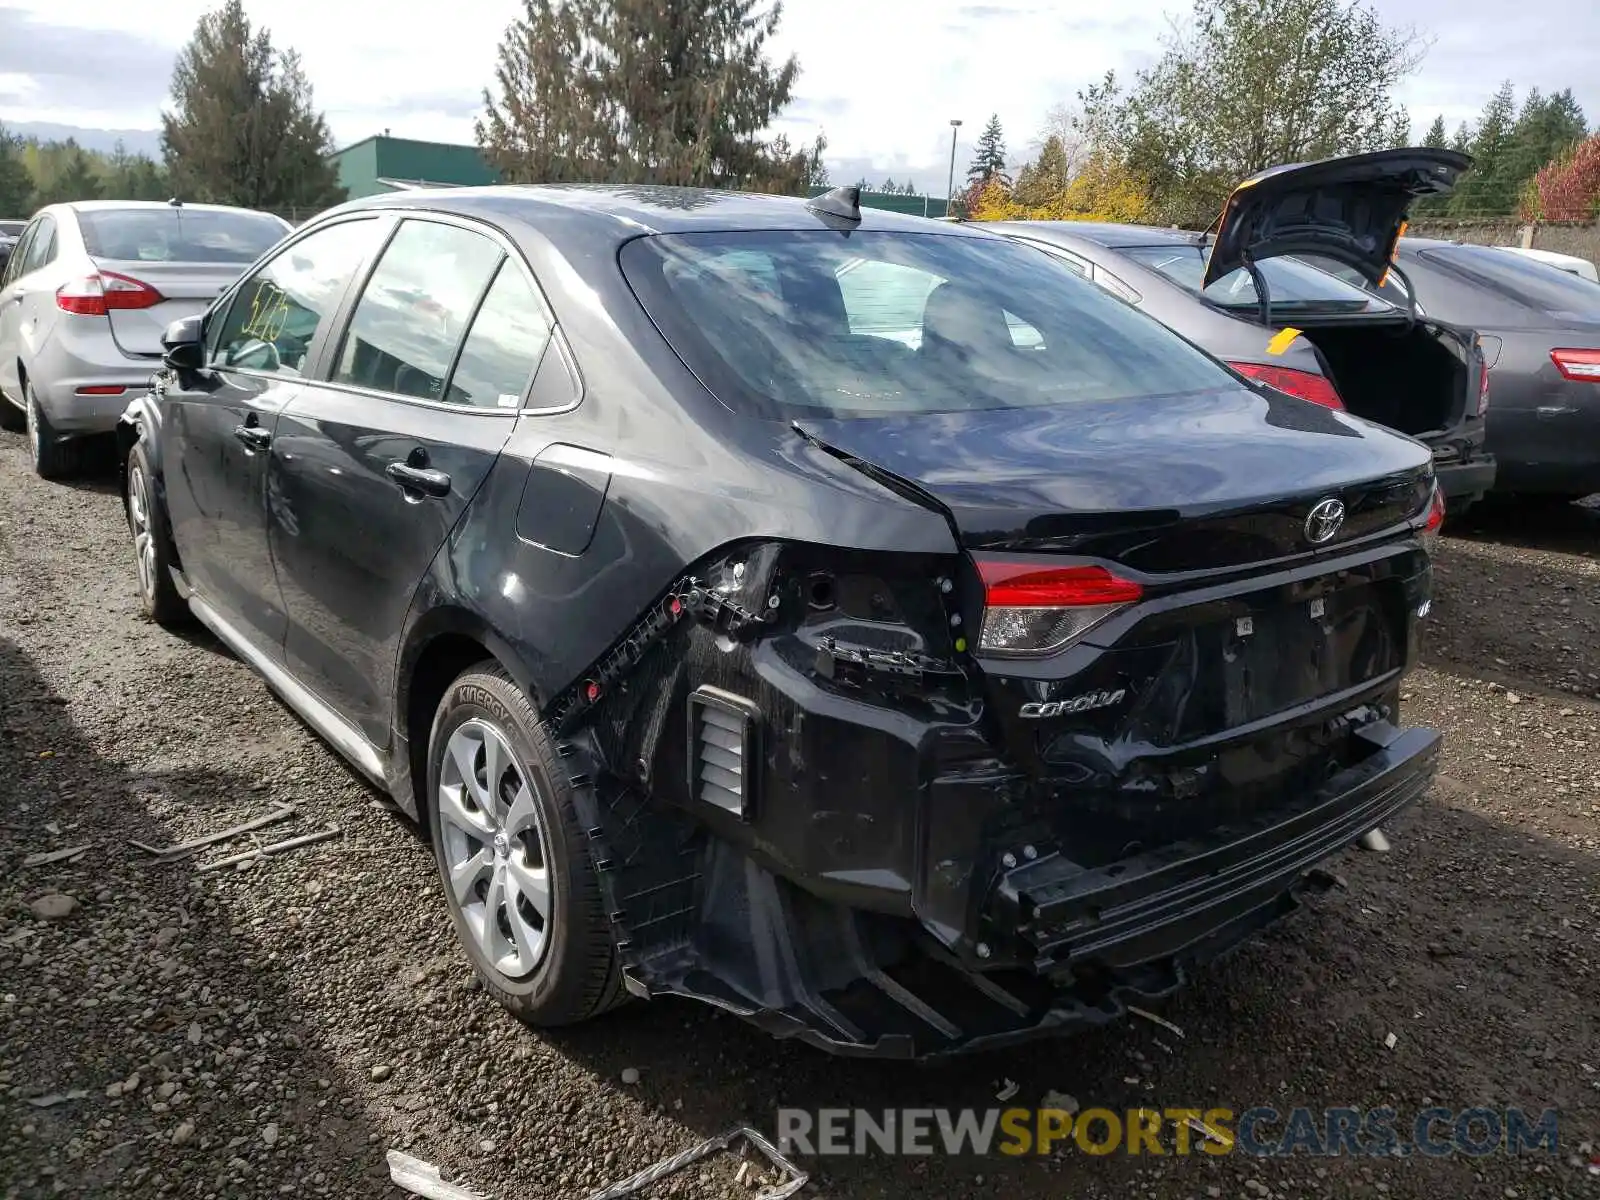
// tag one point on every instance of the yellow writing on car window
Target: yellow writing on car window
(269, 312)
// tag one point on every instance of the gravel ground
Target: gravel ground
(273, 1030)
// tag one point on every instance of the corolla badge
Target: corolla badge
(1076, 704)
(1324, 520)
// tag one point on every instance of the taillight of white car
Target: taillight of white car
(99, 294)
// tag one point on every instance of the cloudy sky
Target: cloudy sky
(881, 77)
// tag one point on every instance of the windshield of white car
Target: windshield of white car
(178, 235)
(815, 323)
(1292, 285)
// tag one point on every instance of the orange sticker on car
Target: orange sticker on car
(1282, 340)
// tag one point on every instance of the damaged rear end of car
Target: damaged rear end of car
(911, 804)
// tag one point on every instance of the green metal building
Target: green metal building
(389, 164)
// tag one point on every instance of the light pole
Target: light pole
(950, 187)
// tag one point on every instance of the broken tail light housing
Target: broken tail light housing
(1031, 610)
(105, 292)
(1316, 388)
(1580, 366)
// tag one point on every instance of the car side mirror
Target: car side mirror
(183, 344)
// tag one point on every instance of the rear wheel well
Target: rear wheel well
(442, 660)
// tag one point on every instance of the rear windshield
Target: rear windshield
(184, 235)
(1525, 280)
(811, 322)
(1293, 285)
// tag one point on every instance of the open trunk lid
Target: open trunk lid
(1350, 209)
(1191, 482)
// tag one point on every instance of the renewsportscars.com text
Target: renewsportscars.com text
(1261, 1131)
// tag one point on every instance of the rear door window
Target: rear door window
(415, 309)
(275, 315)
(178, 234)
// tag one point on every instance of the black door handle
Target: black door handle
(419, 479)
(253, 436)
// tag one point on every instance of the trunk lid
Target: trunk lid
(1350, 209)
(1191, 482)
(186, 289)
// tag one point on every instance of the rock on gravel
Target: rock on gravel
(54, 907)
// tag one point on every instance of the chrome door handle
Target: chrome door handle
(253, 436)
(419, 479)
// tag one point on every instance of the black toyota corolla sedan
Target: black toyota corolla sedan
(858, 623)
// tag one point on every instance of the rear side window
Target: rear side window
(415, 309)
(813, 322)
(1525, 280)
(276, 313)
(176, 234)
(507, 339)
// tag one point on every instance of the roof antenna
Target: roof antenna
(842, 202)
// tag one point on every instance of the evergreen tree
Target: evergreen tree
(1462, 139)
(75, 177)
(890, 187)
(133, 177)
(1399, 128)
(1045, 179)
(1546, 129)
(16, 183)
(990, 160)
(639, 91)
(243, 129)
(1488, 189)
(1436, 138)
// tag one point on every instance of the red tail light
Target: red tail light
(1580, 366)
(97, 295)
(1316, 388)
(1435, 521)
(1483, 388)
(1031, 611)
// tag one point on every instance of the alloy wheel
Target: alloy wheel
(496, 848)
(144, 542)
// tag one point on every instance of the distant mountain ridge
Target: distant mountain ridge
(135, 141)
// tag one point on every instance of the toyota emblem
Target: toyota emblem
(1324, 520)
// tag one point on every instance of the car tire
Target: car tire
(52, 459)
(152, 543)
(13, 418)
(504, 844)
